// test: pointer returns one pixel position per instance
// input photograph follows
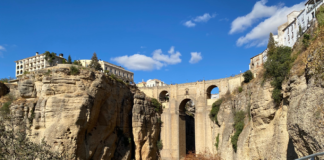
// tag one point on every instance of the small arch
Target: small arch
(212, 92)
(164, 96)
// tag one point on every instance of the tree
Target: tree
(64, 61)
(69, 60)
(95, 63)
(50, 57)
(271, 44)
(248, 76)
(76, 62)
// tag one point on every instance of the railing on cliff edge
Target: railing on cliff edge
(312, 156)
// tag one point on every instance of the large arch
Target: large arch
(209, 90)
(186, 128)
(164, 96)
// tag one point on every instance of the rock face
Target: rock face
(265, 136)
(146, 127)
(293, 129)
(3, 89)
(86, 116)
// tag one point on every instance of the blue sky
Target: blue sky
(153, 39)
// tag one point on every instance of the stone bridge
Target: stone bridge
(173, 132)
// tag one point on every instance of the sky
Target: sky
(174, 41)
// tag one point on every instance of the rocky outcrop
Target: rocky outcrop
(146, 127)
(292, 129)
(85, 116)
(305, 99)
(3, 89)
(264, 136)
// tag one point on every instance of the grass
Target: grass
(159, 145)
(48, 73)
(214, 111)
(217, 141)
(240, 89)
(238, 126)
(74, 70)
(5, 109)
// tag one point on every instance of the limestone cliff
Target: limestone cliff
(146, 127)
(84, 116)
(3, 89)
(290, 130)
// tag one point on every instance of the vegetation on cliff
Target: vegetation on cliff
(277, 68)
(248, 76)
(238, 125)
(214, 111)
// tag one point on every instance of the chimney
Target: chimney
(61, 55)
(36, 53)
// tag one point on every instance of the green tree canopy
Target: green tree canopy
(271, 44)
(95, 62)
(69, 60)
(50, 57)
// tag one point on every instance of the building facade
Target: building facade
(118, 71)
(302, 21)
(141, 84)
(34, 63)
(155, 82)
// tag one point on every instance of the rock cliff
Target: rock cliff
(290, 130)
(3, 89)
(84, 116)
(146, 127)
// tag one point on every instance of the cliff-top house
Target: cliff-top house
(34, 63)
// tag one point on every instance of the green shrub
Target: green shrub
(217, 141)
(214, 111)
(277, 68)
(113, 76)
(248, 76)
(74, 70)
(305, 41)
(48, 72)
(26, 72)
(320, 16)
(119, 80)
(159, 145)
(240, 89)
(5, 109)
(156, 104)
(238, 126)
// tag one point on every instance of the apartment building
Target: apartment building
(118, 71)
(34, 63)
(155, 82)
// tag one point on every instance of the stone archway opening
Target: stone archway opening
(212, 92)
(186, 127)
(164, 96)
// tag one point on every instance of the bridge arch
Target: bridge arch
(210, 89)
(164, 96)
(186, 128)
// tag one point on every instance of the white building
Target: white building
(214, 96)
(118, 71)
(154, 82)
(303, 19)
(34, 63)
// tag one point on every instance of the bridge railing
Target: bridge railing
(312, 156)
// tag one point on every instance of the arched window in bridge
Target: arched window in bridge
(212, 92)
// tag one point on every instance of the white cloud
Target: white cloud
(204, 18)
(195, 57)
(260, 10)
(189, 24)
(145, 63)
(138, 62)
(259, 35)
(173, 58)
(2, 48)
